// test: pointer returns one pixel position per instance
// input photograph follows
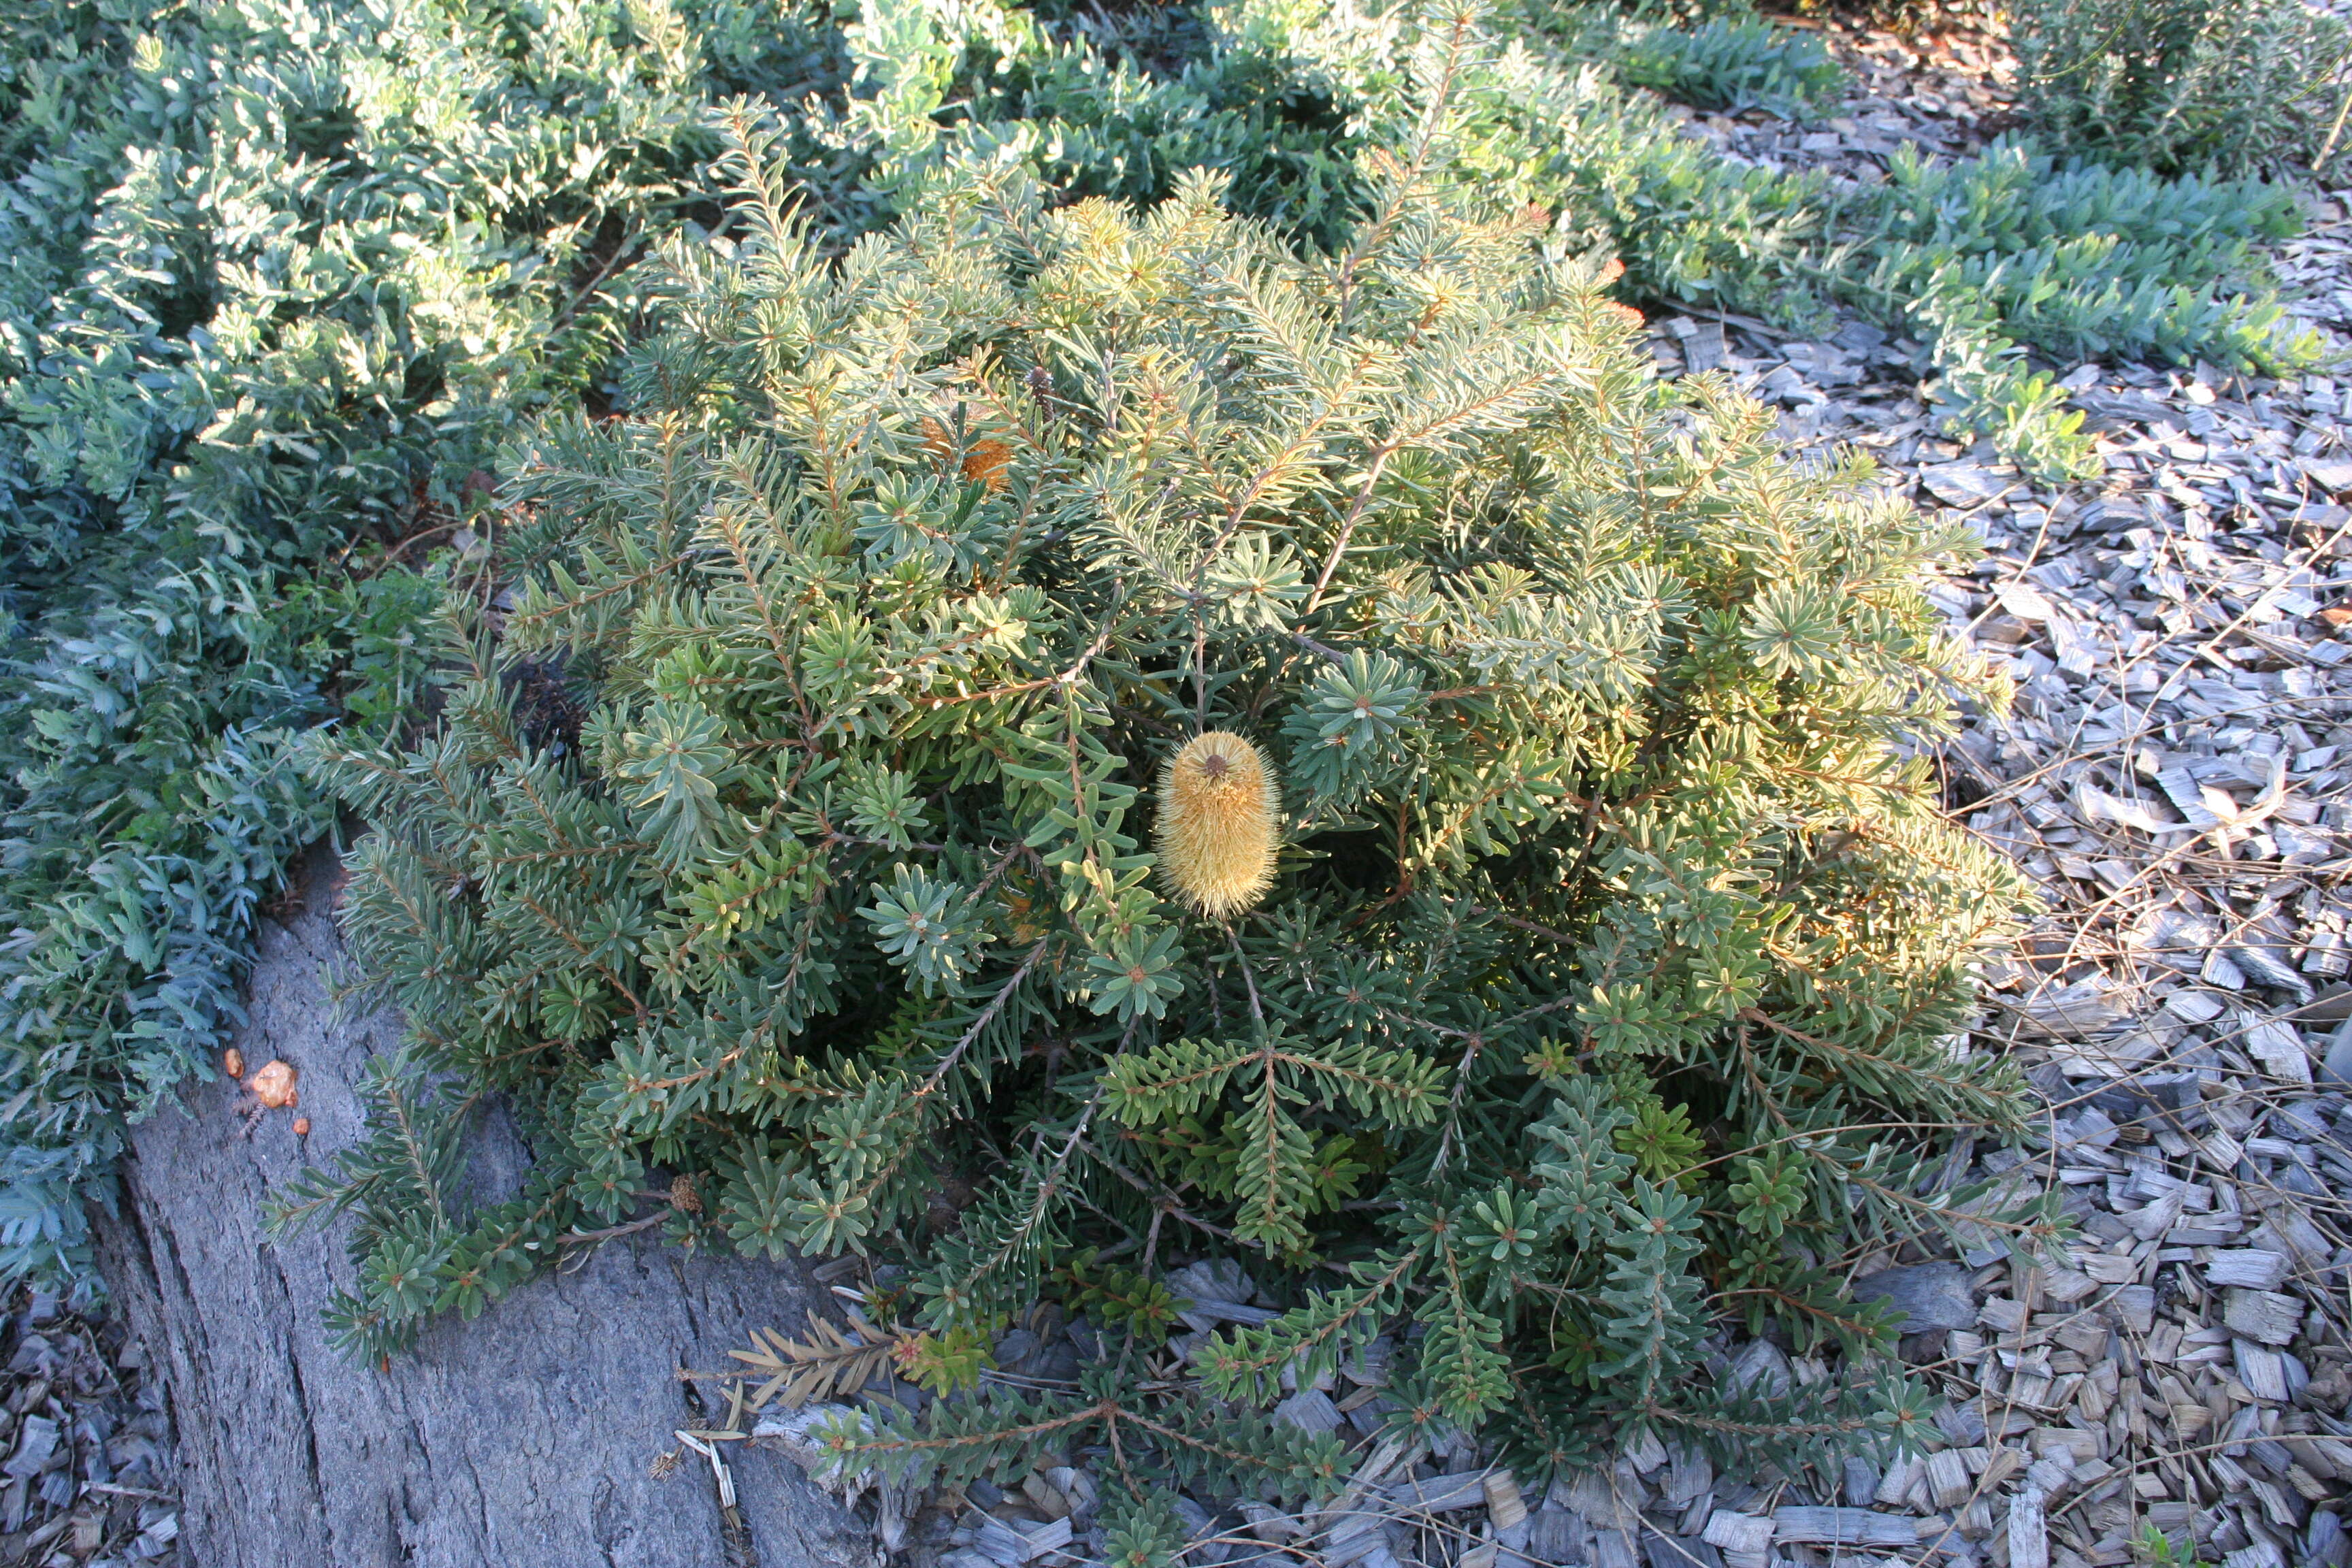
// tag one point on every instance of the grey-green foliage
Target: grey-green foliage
(1120, 117)
(2231, 86)
(1732, 63)
(2011, 251)
(275, 278)
(278, 276)
(2015, 248)
(1551, 125)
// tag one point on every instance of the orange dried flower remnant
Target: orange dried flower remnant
(1219, 803)
(233, 1062)
(983, 459)
(273, 1085)
(302, 1127)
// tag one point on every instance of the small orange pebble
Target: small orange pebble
(273, 1085)
(302, 1127)
(233, 1062)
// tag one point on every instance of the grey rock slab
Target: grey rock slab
(527, 1437)
(1930, 1295)
(2337, 1067)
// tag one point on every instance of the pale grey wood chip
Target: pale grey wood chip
(1309, 1410)
(1442, 1494)
(1897, 1483)
(1841, 1527)
(1948, 1481)
(2029, 1531)
(1614, 1549)
(1554, 1533)
(2263, 1372)
(2251, 1268)
(1001, 1543)
(2279, 1047)
(1928, 1294)
(1207, 1312)
(1741, 1533)
(1271, 1523)
(2267, 1317)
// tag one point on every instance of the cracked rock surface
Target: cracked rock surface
(542, 1433)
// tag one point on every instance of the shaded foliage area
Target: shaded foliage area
(2185, 86)
(275, 280)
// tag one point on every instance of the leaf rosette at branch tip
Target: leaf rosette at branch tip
(1599, 994)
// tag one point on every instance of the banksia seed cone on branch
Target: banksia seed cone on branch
(1218, 801)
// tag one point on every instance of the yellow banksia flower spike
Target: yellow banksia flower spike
(1219, 801)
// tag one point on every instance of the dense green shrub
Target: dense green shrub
(1605, 984)
(277, 277)
(2181, 85)
(2009, 254)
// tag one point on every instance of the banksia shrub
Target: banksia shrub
(1602, 988)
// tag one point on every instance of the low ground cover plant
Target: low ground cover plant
(2016, 248)
(2007, 265)
(1733, 64)
(276, 277)
(1197, 745)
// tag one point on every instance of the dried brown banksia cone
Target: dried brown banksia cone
(1218, 802)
